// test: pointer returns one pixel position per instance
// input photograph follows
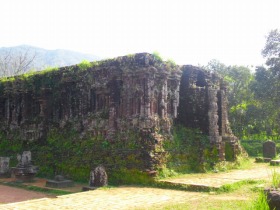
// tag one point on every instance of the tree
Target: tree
(16, 62)
(266, 88)
(271, 51)
(266, 91)
(254, 99)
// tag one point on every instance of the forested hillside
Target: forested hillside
(20, 59)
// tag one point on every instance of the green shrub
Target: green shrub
(253, 147)
(166, 172)
(229, 152)
(157, 56)
(129, 176)
(84, 65)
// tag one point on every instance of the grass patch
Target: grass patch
(183, 187)
(237, 185)
(260, 202)
(239, 196)
(253, 185)
(275, 179)
(240, 163)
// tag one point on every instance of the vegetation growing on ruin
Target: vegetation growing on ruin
(51, 77)
(85, 65)
(65, 152)
(190, 151)
(157, 56)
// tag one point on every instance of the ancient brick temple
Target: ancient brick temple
(137, 92)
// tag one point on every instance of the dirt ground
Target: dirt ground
(138, 197)
(12, 194)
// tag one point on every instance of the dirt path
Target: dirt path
(114, 198)
(124, 198)
(12, 194)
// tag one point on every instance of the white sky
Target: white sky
(187, 31)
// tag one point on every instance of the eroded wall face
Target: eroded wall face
(194, 105)
(136, 94)
(107, 100)
(136, 97)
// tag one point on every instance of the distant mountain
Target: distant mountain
(46, 58)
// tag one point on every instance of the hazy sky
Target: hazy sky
(187, 31)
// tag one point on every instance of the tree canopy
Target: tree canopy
(254, 97)
(271, 51)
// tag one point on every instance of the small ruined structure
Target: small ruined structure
(139, 94)
(59, 182)
(4, 167)
(203, 105)
(24, 171)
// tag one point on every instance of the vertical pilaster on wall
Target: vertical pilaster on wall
(163, 102)
(176, 100)
(7, 108)
(143, 96)
(14, 112)
(213, 116)
(215, 138)
(148, 84)
(223, 110)
(112, 117)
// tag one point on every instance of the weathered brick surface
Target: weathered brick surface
(138, 93)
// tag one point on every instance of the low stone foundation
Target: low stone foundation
(59, 183)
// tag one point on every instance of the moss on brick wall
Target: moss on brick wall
(65, 152)
(190, 150)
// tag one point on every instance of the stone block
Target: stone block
(275, 162)
(24, 174)
(87, 188)
(269, 149)
(98, 177)
(24, 171)
(262, 160)
(59, 182)
(273, 198)
(4, 167)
